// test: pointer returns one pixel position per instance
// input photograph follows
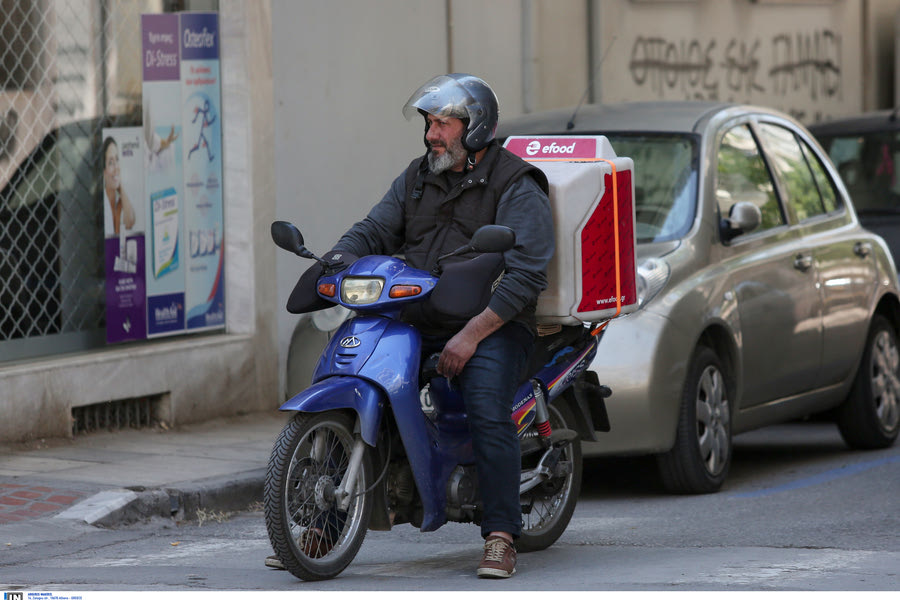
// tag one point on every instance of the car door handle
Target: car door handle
(803, 262)
(862, 249)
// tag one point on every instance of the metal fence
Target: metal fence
(68, 68)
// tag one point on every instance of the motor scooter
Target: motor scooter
(380, 438)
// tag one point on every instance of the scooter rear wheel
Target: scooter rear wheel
(312, 537)
(547, 509)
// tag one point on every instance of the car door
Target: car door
(772, 275)
(846, 271)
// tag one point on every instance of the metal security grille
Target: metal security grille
(68, 68)
(133, 413)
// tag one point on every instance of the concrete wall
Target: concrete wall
(802, 58)
(197, 377)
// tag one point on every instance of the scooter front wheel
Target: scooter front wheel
(313, 536)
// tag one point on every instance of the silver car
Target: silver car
(761, 297)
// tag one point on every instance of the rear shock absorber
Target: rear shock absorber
(541, 415)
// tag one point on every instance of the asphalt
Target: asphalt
(110, 479)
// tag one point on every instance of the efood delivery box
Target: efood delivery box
(591, 190)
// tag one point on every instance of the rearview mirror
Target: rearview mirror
(493, 238)
(287, 236)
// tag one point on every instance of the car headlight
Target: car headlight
(652, 275)
(361, 290)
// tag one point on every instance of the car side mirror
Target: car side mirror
(743, 217)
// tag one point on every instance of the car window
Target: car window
(867, 163)
(794, 171)
(742, 176)
(665, 186)
(823, 182)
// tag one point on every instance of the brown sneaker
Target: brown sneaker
(499, 559)
(315, 543)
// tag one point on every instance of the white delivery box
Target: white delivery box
(591, 190)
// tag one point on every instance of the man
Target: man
(466, 180)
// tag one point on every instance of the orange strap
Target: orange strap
(615, 189)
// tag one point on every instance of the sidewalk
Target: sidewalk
(110, 479)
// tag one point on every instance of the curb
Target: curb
(119, 507)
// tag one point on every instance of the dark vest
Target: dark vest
(446, 216)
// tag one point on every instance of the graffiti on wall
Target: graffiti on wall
(800, 70)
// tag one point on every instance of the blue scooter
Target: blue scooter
(380, 438)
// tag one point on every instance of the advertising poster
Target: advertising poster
(163, 179)
(123, 229)
(202, 155)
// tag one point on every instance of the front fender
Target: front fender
(334, 393)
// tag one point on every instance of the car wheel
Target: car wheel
(698, 462)
(870, 417)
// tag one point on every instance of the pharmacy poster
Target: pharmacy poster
(202, 165)
(163, 175)
(124, 234)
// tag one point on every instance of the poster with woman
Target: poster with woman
(124, 229)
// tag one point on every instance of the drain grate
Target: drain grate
(133, 413)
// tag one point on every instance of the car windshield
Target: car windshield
(665, 187)
(866, 164)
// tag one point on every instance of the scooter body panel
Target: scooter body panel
(337, 393)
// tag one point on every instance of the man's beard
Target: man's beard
(452, 155)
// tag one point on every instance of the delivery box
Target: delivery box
(592, 276)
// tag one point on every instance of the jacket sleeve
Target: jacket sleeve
(525, 208)
(382, 231)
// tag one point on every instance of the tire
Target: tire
(547, 508)
(699, 461)
(870, 416)
(296, 496)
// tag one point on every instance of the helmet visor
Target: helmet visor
(442, 97)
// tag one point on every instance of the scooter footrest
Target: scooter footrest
(558, 437)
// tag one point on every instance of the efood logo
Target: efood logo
(534, 147)
(350, 342)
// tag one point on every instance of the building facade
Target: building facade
(312, 132)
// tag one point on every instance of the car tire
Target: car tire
(699, 461)
(870, 416)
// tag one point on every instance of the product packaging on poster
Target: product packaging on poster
(163, 181)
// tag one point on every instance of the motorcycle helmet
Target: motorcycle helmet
(462, 96)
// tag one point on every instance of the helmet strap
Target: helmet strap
(470, 162)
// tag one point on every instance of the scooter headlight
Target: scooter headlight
(361, 290)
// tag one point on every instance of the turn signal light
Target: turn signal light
(327, 289)
(405, 291)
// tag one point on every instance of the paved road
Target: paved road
(807, 514)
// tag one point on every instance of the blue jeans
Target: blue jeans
(488, 384)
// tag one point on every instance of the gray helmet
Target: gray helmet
(462, 96)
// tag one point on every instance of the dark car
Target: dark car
(866, 151)
(761, 299)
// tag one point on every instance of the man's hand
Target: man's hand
(462, 346)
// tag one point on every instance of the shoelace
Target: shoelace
(495, 549)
